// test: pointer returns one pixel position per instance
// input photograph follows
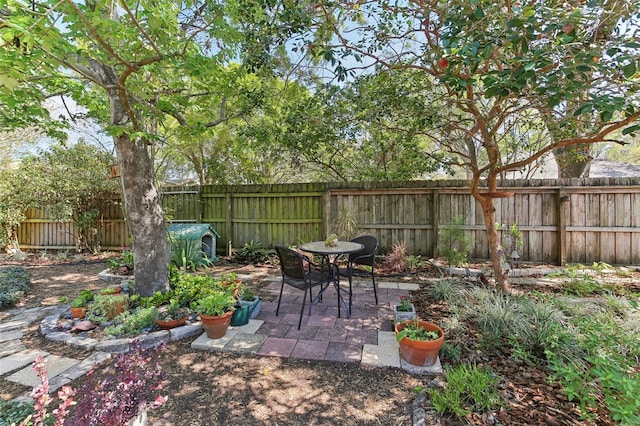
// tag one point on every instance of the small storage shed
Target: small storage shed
(202, 232)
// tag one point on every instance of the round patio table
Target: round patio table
(339, 248)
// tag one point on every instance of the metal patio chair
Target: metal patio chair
(366, 257)
(295, 274)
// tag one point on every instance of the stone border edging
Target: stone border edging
(114, 278)
(48, 328)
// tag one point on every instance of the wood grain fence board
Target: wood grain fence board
(600, 222)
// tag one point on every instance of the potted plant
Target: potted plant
(420, 341)
(80, 303)
(106, 307)
(405, 310)
(172, 315)
(215, 311)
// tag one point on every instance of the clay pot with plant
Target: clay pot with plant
(172, 315)
(106, 307)
(215, 311)
(80, 303)
(420, 341)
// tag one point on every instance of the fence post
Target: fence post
(436, 222)
(563, 202)
(229, 224)
(326, 212)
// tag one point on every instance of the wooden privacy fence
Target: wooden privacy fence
(570, 220)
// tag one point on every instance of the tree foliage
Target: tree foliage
(493, 61)
(138, 66)
(70, 184)
(351, 132)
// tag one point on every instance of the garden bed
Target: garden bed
(253, 389)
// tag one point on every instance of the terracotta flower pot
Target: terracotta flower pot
(423, 353)
(216, 327)
(79, 312)
(166, 325)
(115, 310)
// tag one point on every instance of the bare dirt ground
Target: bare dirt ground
(207, 388)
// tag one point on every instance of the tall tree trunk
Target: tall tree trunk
(143, 209)
(489, 215)
(573, 161)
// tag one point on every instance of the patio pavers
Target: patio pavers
(272, 329)
(321, 321)
(276, 346)
(366, 337)
(343, 352)
(331, 334)
(310, 349)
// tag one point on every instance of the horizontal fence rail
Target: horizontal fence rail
(561, 221)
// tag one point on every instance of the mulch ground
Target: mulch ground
(222, 388)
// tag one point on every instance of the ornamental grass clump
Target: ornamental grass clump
(469, 389)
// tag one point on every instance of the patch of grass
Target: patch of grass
(543, 329)
(498, 317)
(454, 326)
(14, 283)
(469, 389)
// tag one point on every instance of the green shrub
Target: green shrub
(14, 282)
(607, 372)
(469, 389)
(454, 244)
(13, 412)
(125, 260)
(103, 307)
(253, 252)
(83, 299)
(158, 299)
(187, 288)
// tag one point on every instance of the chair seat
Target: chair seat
(312, 279)
(353, 272)
(364, 257)
(297, 273)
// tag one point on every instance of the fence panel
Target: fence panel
(577, 220)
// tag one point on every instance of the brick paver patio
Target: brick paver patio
(365, 337)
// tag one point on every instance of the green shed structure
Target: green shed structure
(203, 233)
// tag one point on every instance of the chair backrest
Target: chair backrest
(367, 255)
(291, 263)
